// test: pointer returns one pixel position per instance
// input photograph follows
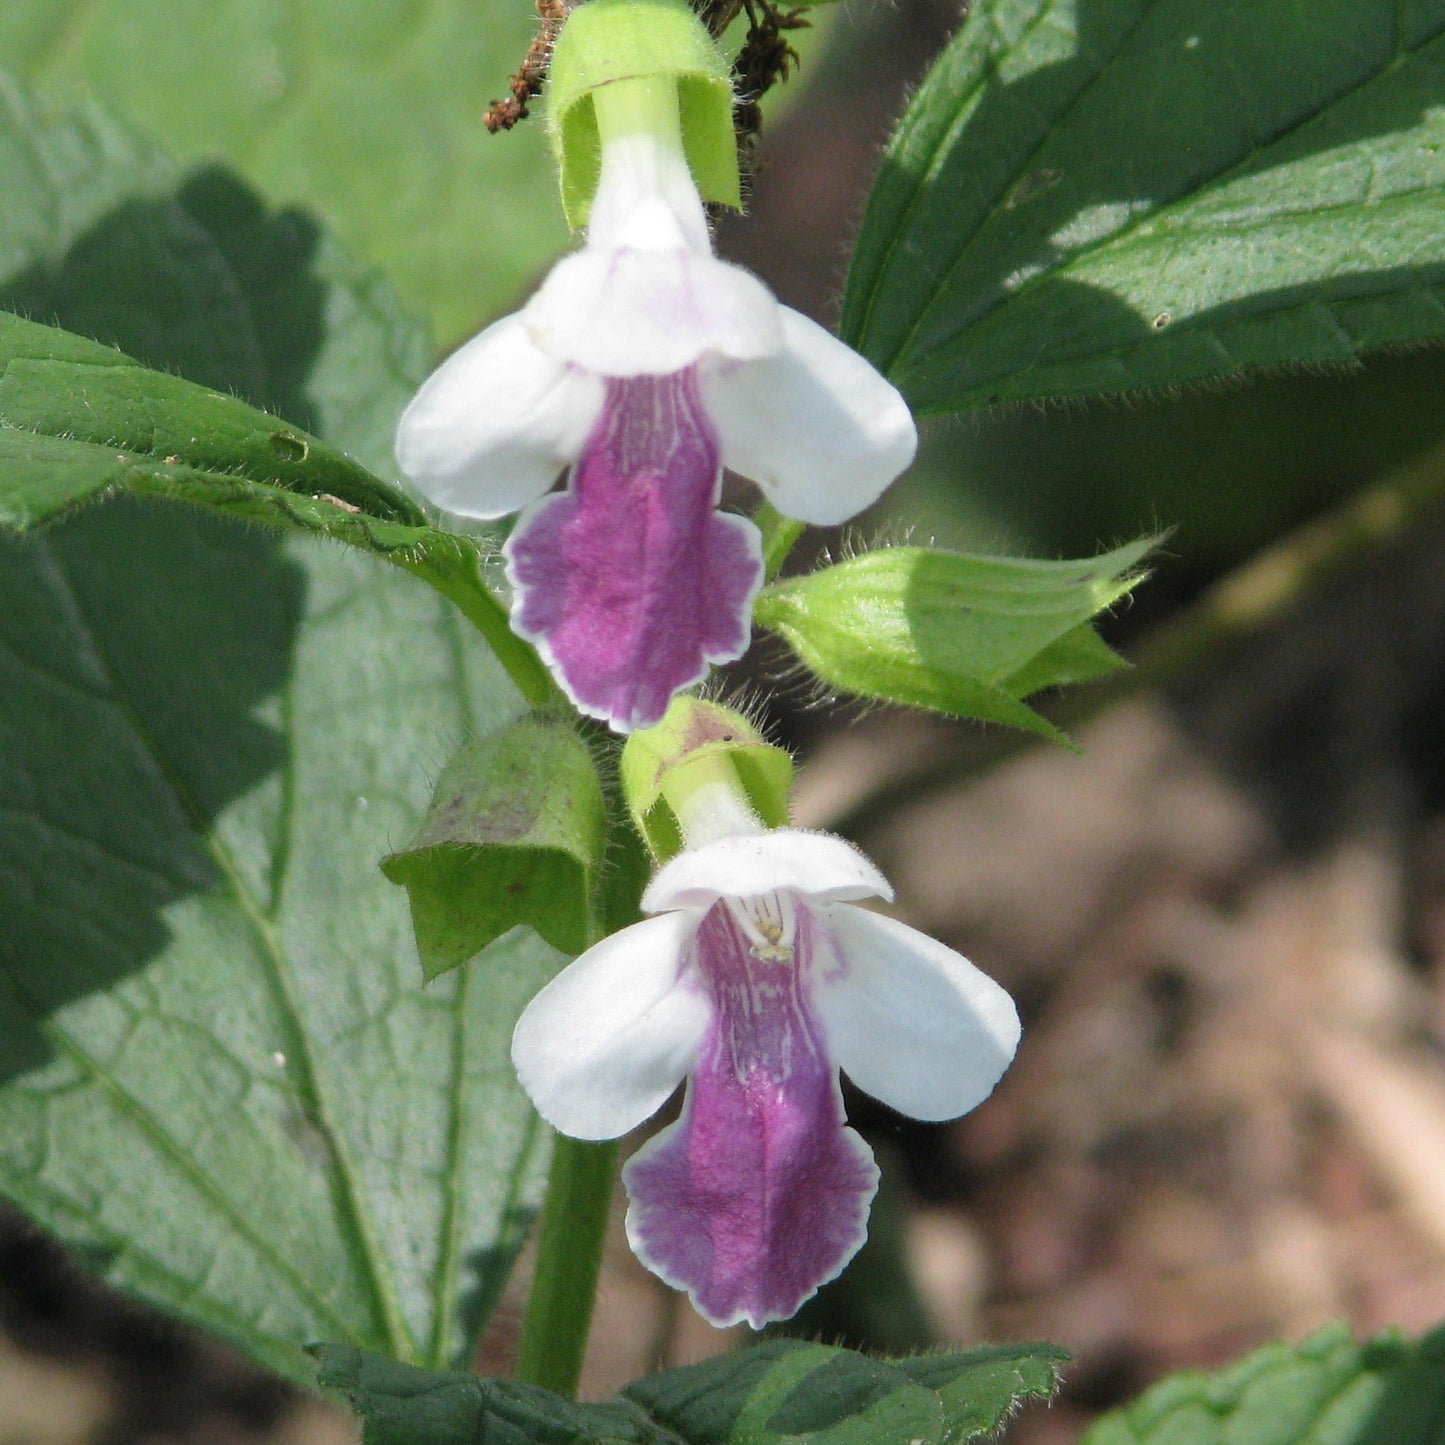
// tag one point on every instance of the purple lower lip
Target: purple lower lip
(758, 1194)
(630, 581)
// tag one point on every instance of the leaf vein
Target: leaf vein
(344, 1183)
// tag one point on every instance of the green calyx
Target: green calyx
(698, 744)
(618, 42)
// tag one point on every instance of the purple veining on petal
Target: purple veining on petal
(629, 581)
(758, 1194)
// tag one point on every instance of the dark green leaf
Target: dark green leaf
(1327, 1391)
(970, 636)
(222, 1080)
(981, 1388)
(515, 835)
(1102, 195)
(774, 1393)
(402, 1405)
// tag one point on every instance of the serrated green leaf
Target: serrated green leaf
(772, 1393)
(982, 1388)
(220, 1079)
(368, 112)
(969, 636)
(1103, 195)
(515, 835)
(1327, 1391)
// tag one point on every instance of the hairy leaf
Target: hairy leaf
(779, 1391)
(1103, 195)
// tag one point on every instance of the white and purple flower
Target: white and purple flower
(646, 365)
(759, 979)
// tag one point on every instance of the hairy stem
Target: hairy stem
(456, 574)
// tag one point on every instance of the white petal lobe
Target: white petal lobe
(816, 865)
(815, 426)
(910, 1021)
(629, 311)
(495, 423)
(604, 1044)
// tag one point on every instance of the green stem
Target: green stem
(569, 1257)
(779, 534)
(456, 574)
(579, 1187)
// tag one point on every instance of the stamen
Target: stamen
(770, 923)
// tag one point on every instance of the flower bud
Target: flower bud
(970, 636)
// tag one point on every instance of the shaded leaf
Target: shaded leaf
(777, 1391)
(1103, 195)
(220, 1079)
(1327, 1391)
(194, 276)
(970, 636)
(515, 835)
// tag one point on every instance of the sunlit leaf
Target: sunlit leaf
(1103, 195)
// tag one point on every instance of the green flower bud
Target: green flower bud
(970, 636)
(615, 42)
(699, 745)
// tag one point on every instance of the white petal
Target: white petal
(640, 312)
(816, 865)
(646, 196)
(495, 423)
(911, 1022)
(815, 426)
(604, 1044)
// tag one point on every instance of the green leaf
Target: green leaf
(1102, 195)
(365, 111)
(195, 276)
(1327, 1391)
(970, 636)
(778, 1391)
(515, 835)
(192, 274)
(402, 1405)
(78, 419)
(221, 1081)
